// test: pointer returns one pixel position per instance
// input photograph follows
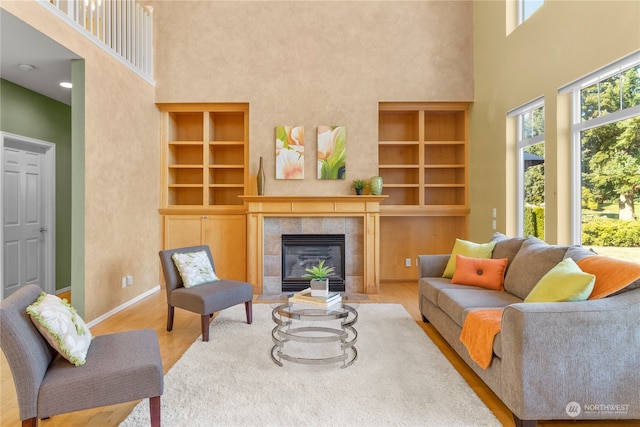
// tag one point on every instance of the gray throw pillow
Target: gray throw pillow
(506, 247)
(534, 259)
(578, 252)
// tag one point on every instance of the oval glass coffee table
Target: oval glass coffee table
(314, 335)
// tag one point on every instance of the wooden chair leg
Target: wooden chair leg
(31, 422)
(154, 407)
(248, 308)
(170, 311)
(204, 319)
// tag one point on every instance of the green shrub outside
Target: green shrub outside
(534, 221)
(596, 230)
(588, 200)
(601, 231)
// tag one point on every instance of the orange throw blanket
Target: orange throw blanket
(480, 328)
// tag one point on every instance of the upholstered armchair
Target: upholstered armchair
(204, 299)
(119, 367)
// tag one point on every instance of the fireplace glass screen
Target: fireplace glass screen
(302, 251)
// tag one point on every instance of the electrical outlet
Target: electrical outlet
(493, 224)
(407, 262)
(129, 280)
(494, 212)
(124, 282)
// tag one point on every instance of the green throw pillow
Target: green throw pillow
(564, 282)
(468, 249)
(61, 326)
(194, 268)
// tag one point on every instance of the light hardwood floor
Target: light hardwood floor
(151, 313)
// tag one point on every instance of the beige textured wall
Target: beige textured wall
(311, 63)
(122, 169)
(122, 235)
(560, 43)
(296, 63)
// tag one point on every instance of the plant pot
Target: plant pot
(319, 288)
(359, 191)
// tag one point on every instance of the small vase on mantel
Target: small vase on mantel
(260, 178)
(375, 184)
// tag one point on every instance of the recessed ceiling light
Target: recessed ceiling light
(26, 67)
(66, 85)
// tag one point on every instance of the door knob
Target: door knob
(43, 229)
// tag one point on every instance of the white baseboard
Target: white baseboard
(63, 290)
(123, 306)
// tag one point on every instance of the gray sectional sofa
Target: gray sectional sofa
(551, 361)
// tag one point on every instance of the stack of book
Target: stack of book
(333, 299)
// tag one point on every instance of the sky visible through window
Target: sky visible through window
(530, 6)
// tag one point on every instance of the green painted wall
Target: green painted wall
(24, 112)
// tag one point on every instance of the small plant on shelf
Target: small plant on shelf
(359, 185)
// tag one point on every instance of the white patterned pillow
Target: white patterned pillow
(195, 268)
(61, 326)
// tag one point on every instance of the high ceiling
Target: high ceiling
(21, 44)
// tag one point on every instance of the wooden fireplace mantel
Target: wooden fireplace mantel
(366, 207)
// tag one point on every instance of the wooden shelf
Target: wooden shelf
(204, 154)
(185, 126)
(422, 153)
(441, 210)
(204, 172)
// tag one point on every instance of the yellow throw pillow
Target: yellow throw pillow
(468, 249)
(564, 282)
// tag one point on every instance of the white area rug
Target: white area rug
(399, 379)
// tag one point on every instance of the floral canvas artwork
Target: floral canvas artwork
(332, 152)
(289, 152)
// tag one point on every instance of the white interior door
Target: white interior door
(27, 250)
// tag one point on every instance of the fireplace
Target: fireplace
(302, 251)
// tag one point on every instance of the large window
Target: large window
(530, 172)
(606, 158)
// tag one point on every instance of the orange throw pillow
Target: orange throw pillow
(483, 272)
(611, 274)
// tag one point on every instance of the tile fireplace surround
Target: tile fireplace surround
(358, 217)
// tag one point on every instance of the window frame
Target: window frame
(578, 126)
(522, 143)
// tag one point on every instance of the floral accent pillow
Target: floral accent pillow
(61, 326)
(194, 268)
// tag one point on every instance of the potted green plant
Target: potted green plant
(319, 275)
(359, 185)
